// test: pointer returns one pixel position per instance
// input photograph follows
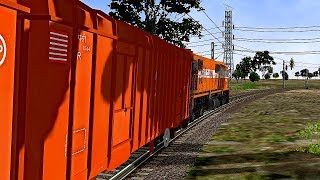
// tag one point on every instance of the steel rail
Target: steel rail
(126, 171)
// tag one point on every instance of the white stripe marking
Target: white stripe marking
(58, 34)
(58, 54)
(57, 59)
(58, 49)
(58, 44)
(58, 39)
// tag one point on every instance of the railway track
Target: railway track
(132, 168)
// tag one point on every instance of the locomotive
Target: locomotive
(81, 91)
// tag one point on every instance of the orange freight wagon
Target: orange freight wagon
(9, 82)
(95, 90)
(209, 85)
(81, 91)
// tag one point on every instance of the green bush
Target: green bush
(312, 132)
(245, 86)
(254, 77)
(267, 76)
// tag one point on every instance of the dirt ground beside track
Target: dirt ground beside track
(259, 141)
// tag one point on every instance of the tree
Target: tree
(275, 75)
(310, 75)
(267, 76)
(316, 73)
(262, 59)
(266, 70)
(286, 75)
(159, 17)
(236, 74)
(270, 70)
(297, 74)
(254, 77)
(304, 73)
(291, 63)
(244, 67)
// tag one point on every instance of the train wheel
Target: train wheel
(166, 137)
(224, 100)
(201, 112)
(192, 117)
(210, 104)
(185, 123)
(216, 102)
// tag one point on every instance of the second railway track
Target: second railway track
(143, 164)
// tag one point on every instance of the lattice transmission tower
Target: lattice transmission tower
(228, 46)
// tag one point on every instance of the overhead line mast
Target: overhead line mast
(228, 53)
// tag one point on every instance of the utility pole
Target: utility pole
(228, 47)
(212, 50)
(283, 75)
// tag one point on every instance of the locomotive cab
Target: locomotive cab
(209, 85)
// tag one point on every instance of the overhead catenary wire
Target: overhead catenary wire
(293, 27)
(280, 63)
(280, 39)
(206, 40)
(277, 42)
(285, 52)
(252, 51)
(209, 50)
(280, 31)
(212, 21)
(205, 29)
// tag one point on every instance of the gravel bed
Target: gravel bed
(174, 162)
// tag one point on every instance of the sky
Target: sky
(261, 13)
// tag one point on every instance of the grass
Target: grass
(245, 85)
(260, 141)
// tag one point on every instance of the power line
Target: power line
(292, 39)
(277, 42)
(219, 55)
(205, 29)
(306, 63)
(210, 33)
(215, 27)
(250, 56)
(262, 31)
(200, 45)
(288, 52)
(209, 51)
(294, 27)
(212, 21)
(252, 51)
(203, 41)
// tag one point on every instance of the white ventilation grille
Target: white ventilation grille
(58, 46)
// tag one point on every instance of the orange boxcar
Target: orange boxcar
(9, 82)
(94, 90)
(81, 91)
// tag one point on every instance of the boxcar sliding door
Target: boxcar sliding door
(123, 105)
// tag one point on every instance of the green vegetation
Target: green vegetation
(267, 76)
(311, 132)
(245, 85)
(262, 61)
(157, 17)
(254, 77)
(260, 140)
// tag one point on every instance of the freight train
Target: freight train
(81, 91)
